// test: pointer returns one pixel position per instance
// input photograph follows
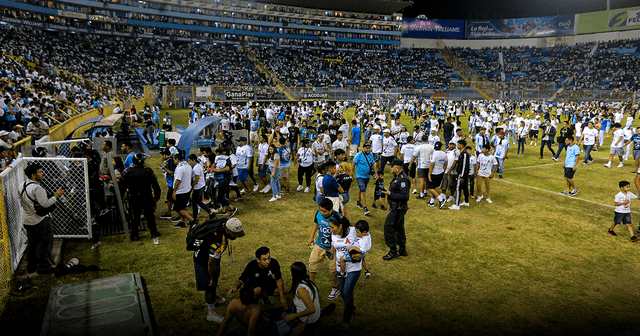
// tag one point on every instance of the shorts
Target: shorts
(353, 150)
(243, 175)
(284, 172)
(423, 173)
(636, 154)
(362, 184)
(170, 194)
(625, 218)
(262, 172)
(337, 203)
(345, 198)
(181, 201)
(568, 173)
(318, 254)
(253, 136)
(533, 133)
(379, 196)
(376, 157)
(202, 277)
(618, 151)
(435, 182)
(409, 171)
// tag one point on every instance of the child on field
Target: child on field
(623, 209)
(378, 191)
(361, 246)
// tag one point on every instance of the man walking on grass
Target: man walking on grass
(570, 166)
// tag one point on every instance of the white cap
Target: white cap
(3, 133)
(386, 130)
(376, 127)
(235, 225)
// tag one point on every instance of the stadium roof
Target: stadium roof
(364, 6)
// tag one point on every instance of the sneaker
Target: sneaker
(359, 205)
(500, 176)
(464, 204)
(565, 192)
(634, 239)
(415, 192)
(273, 199)
(165, 216)
(584, 163)
(279, 196)
(420, 197)
(608, 165)
(374, 206)
(450, 199)
(306, 189)
(215, 317)
(220, 300)
(175, 219)
(300, 187)
(382, 207)
(574, 192)
(590, 161)
(180, 225)
(479, 198)
(366, 211)
(335, 292)
(442, 203)
(611, 232)
(192, 223)
(238, 199)
(255, 188)
(367, 274)
(454, 207)
(554, 159)
(620, 165)
(156, 241)
(489, 200)
(430, 204)
(233, 212)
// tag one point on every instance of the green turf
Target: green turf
(533, 262)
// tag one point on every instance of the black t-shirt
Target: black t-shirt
(211, 247)
(294, 132)
(448, 130)
(345, 181)
(333, 132)
(254, 275)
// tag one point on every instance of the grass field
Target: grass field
(533, 262)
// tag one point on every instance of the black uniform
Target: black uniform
(140, 181)
(394, 234)
(462, 181)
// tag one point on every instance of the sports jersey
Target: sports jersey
(590, 136)
(439, 159)
(263, 150)
(422, 153)
(486, 161)
(342, 246)
(636, 141)
(376, 143)
(305, 156)
(388, 146)
(433, 139)
(472, 164)
(573, 152)
(243, 154)
(254, 125)
(501, 147)
(285, 156)
(407, 152)
(324, 231)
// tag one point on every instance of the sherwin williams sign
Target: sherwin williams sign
(432, 28)
(518, 28)
(606, 21)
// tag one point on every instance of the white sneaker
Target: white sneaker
(454, 207)
(300, 187)
(264, 190)
(242, 191)
(620, 165)
(255, 188)
(156, 241)
(415, 191)
(450, 199)
(278, 196)
(464, 204)
(273, 199)
(531, 144)
(215, 317)
(608, 165)
(489, 200)
(220, 300)
(479, 198)
(306, 189)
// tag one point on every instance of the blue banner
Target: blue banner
(517, 28)
(433, 28)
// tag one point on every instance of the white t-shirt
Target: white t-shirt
(339, 145)
(342, 246)
(486, 164)
(618, 138)
(376, 143)
(183, 174)
(590, 136)
(439, 159)
(243, 154)
(501, 147)
(407, 152)
(198, 171)
(472, 165)
(263, 150)
(306, 156)
(388, 146)
(319, 149)
(423, 153)
(622, 197)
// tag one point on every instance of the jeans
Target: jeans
(587, 153)
(548, 144)
(275, 182)
(560, 147)
(513, 136)
(40, 238)
(223, 189)
(196, 200)
(347, 285)
(500, 165)
(521, 143)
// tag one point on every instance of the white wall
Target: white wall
(532, 42)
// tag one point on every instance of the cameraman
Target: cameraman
(39, 229)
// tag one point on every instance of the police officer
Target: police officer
(398, 196)
(140, 181)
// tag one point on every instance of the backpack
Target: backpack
(198, 234)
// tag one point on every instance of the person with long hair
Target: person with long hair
(343, 237)
(273, 162)
(306, 300)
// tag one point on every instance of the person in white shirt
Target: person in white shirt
(182, 189)
(501, 145)
(376, 143)
(437, 167)
(389, 149)
(305, 159)
(616, 148)
(487, 166)
(198, 183)
(406, 154)
(339, 144)
(588, 140)
(622, 212)
(533, 131)
(244, 155)
(263, 150)
(422, 159)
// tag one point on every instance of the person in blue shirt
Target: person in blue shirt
(126, 147)
(285, 162)
(322, 245)
(354, 138)
(254, 127)
(571, 165)
(364, 165)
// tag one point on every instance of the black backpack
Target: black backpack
(198, 234)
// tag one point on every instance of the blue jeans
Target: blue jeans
(500, 165)
(347, 285)
(196, 200)
(587, 153)
(521, 142)
(560, 147)
(223, 187)
(275, 182)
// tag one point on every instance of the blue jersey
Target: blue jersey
(285, 156)
(254, 124)
(573, 152)
(636, 141)
(324, 231)
(355, 132)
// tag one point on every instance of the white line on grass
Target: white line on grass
(548, 164)
(557, 193)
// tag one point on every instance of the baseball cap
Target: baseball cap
(3, 133)
(376, 127)
(367, 144)
(235, 225)
(397, 162)
(386, 130)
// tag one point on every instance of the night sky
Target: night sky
(504, 9)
